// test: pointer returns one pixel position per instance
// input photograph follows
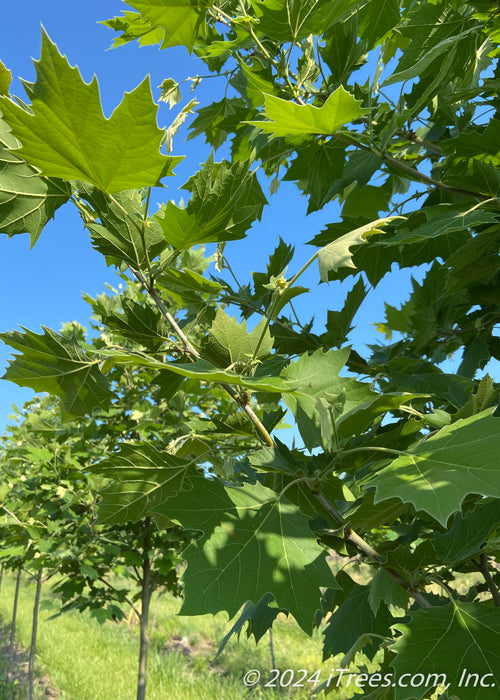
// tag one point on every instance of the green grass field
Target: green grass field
(88, 661)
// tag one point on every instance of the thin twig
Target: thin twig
(125, 598)
(484, 569)
(415, 174)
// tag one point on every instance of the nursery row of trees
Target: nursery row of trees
(168, 415)
(49, 497)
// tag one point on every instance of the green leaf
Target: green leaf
(312, 375)
(5, 79)
(486, 395)
(480, 144)
(206, 372)
(368, 202)
(384, 589)
(203, 371)
(66, 135)
(364, 516)
(187, 281)
(226, 199)
(338, 253)
(174, 127)
(376, 259)
(138, 322)
(285, 118)
(133, 26)
(57, 365)
(275, 459)
(263, 545)
(431, 32)
(316, 168)
(442, 220)
(476, 355)
(436, 475)
(353, 622)
(27, 201)
(339, 323)
(170, 92)
(343, 51)
(290, 20)
(429, 379)
(467, 534)
(88, 571)
(142, 478)
(253, 83)
(209, 121)
(359, 418)
(232, 340)
(188, 507)
(182, 21)
(448, 641)
(377, 18)
(260, 618)
(125, 233)
(278, 262)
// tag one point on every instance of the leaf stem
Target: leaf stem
(304, 267)
(373, 449)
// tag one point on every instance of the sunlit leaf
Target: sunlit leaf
(66, 135)
(436, 475)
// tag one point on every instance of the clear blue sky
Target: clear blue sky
(43, 286)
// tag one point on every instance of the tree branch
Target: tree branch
(192, 352)
(351, 536)
(414, 174)
(484, 569)
(125, 598)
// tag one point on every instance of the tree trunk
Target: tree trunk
(271, 648)
(145, 600)
(34, 629)
(13, 624)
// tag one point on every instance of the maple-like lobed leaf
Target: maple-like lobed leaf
(142, 477)
(182, 21)
(352, 623)
(58, 365)
(257, 544)
(455, 639)
(338, 253)
(234, 343)
(226, 200)
(205, 371)
(27, 200)
(126, 234)
(468, 534)
(259, 619)
(5, 79)
(65, 134)
(312, 375)
(285, 118)
(134, 27)
(291, 20)
(437, 474)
